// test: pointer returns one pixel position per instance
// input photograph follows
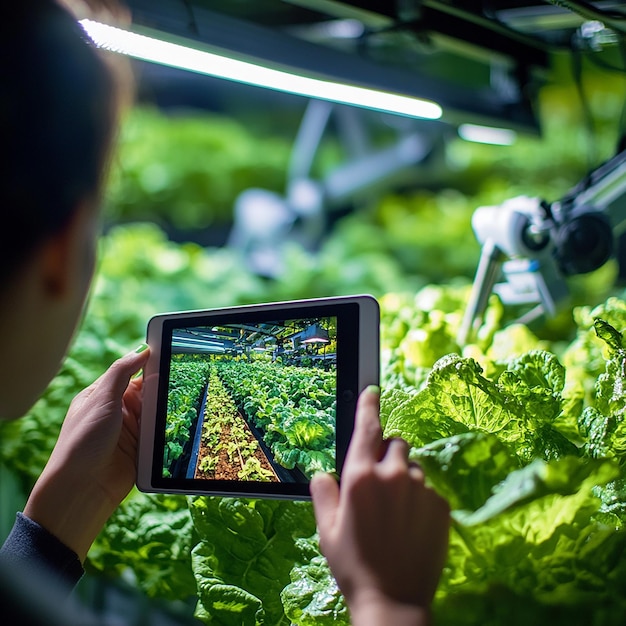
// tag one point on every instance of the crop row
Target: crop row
(230, 451)
(186, 386)
(294, 407)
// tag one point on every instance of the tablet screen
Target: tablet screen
(252, 401)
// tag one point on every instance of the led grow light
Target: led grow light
(487, 134)
(154, 48)
(315, 334)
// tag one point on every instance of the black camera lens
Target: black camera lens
(584, 244)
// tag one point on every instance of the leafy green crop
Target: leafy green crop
(293, 406)
(520, 406)
(246, 552)
(148, 541)
(538, 518)
(216, 158)
(525, 437)
(231, 446)
(187, 383)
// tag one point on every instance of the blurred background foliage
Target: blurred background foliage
(182, 171)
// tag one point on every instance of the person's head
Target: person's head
(58, 115)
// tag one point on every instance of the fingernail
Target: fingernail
(141, 348)
(335, 475)
(373, 389)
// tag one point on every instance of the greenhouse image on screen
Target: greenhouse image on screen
(252, 401)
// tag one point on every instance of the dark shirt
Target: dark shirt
(37, 575)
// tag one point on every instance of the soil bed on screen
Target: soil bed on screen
(225, 468)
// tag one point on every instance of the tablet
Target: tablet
(254, 400)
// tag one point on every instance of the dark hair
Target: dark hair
(57, 115)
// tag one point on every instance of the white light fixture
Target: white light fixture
(315, 334)
(154, 48)
(487, 134)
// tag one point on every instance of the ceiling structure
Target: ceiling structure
(482, 61)
(244, 337)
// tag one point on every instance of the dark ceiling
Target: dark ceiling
(483, 61)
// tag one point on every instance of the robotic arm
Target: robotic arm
(264, 221)
(534, 245)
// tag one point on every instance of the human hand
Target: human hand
(383, 532)
(93, 465)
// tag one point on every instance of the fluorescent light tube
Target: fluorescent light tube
(157, 50)
(487, 134)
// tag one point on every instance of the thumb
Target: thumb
(325, 493)
(116, 378)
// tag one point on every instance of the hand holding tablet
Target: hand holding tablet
(254, 400)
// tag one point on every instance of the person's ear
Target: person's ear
(67, 254)
(55, 259)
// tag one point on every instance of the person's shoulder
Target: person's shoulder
(30, 598)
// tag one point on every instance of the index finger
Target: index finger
(367, 436)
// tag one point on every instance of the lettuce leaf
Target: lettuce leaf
(246, 552)
(585, 357)
(465, 468)
(313, 598)
(149, 539)
(538, 537)
(604, 425)
(519, 407)
(566, 477)
(533, 554)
